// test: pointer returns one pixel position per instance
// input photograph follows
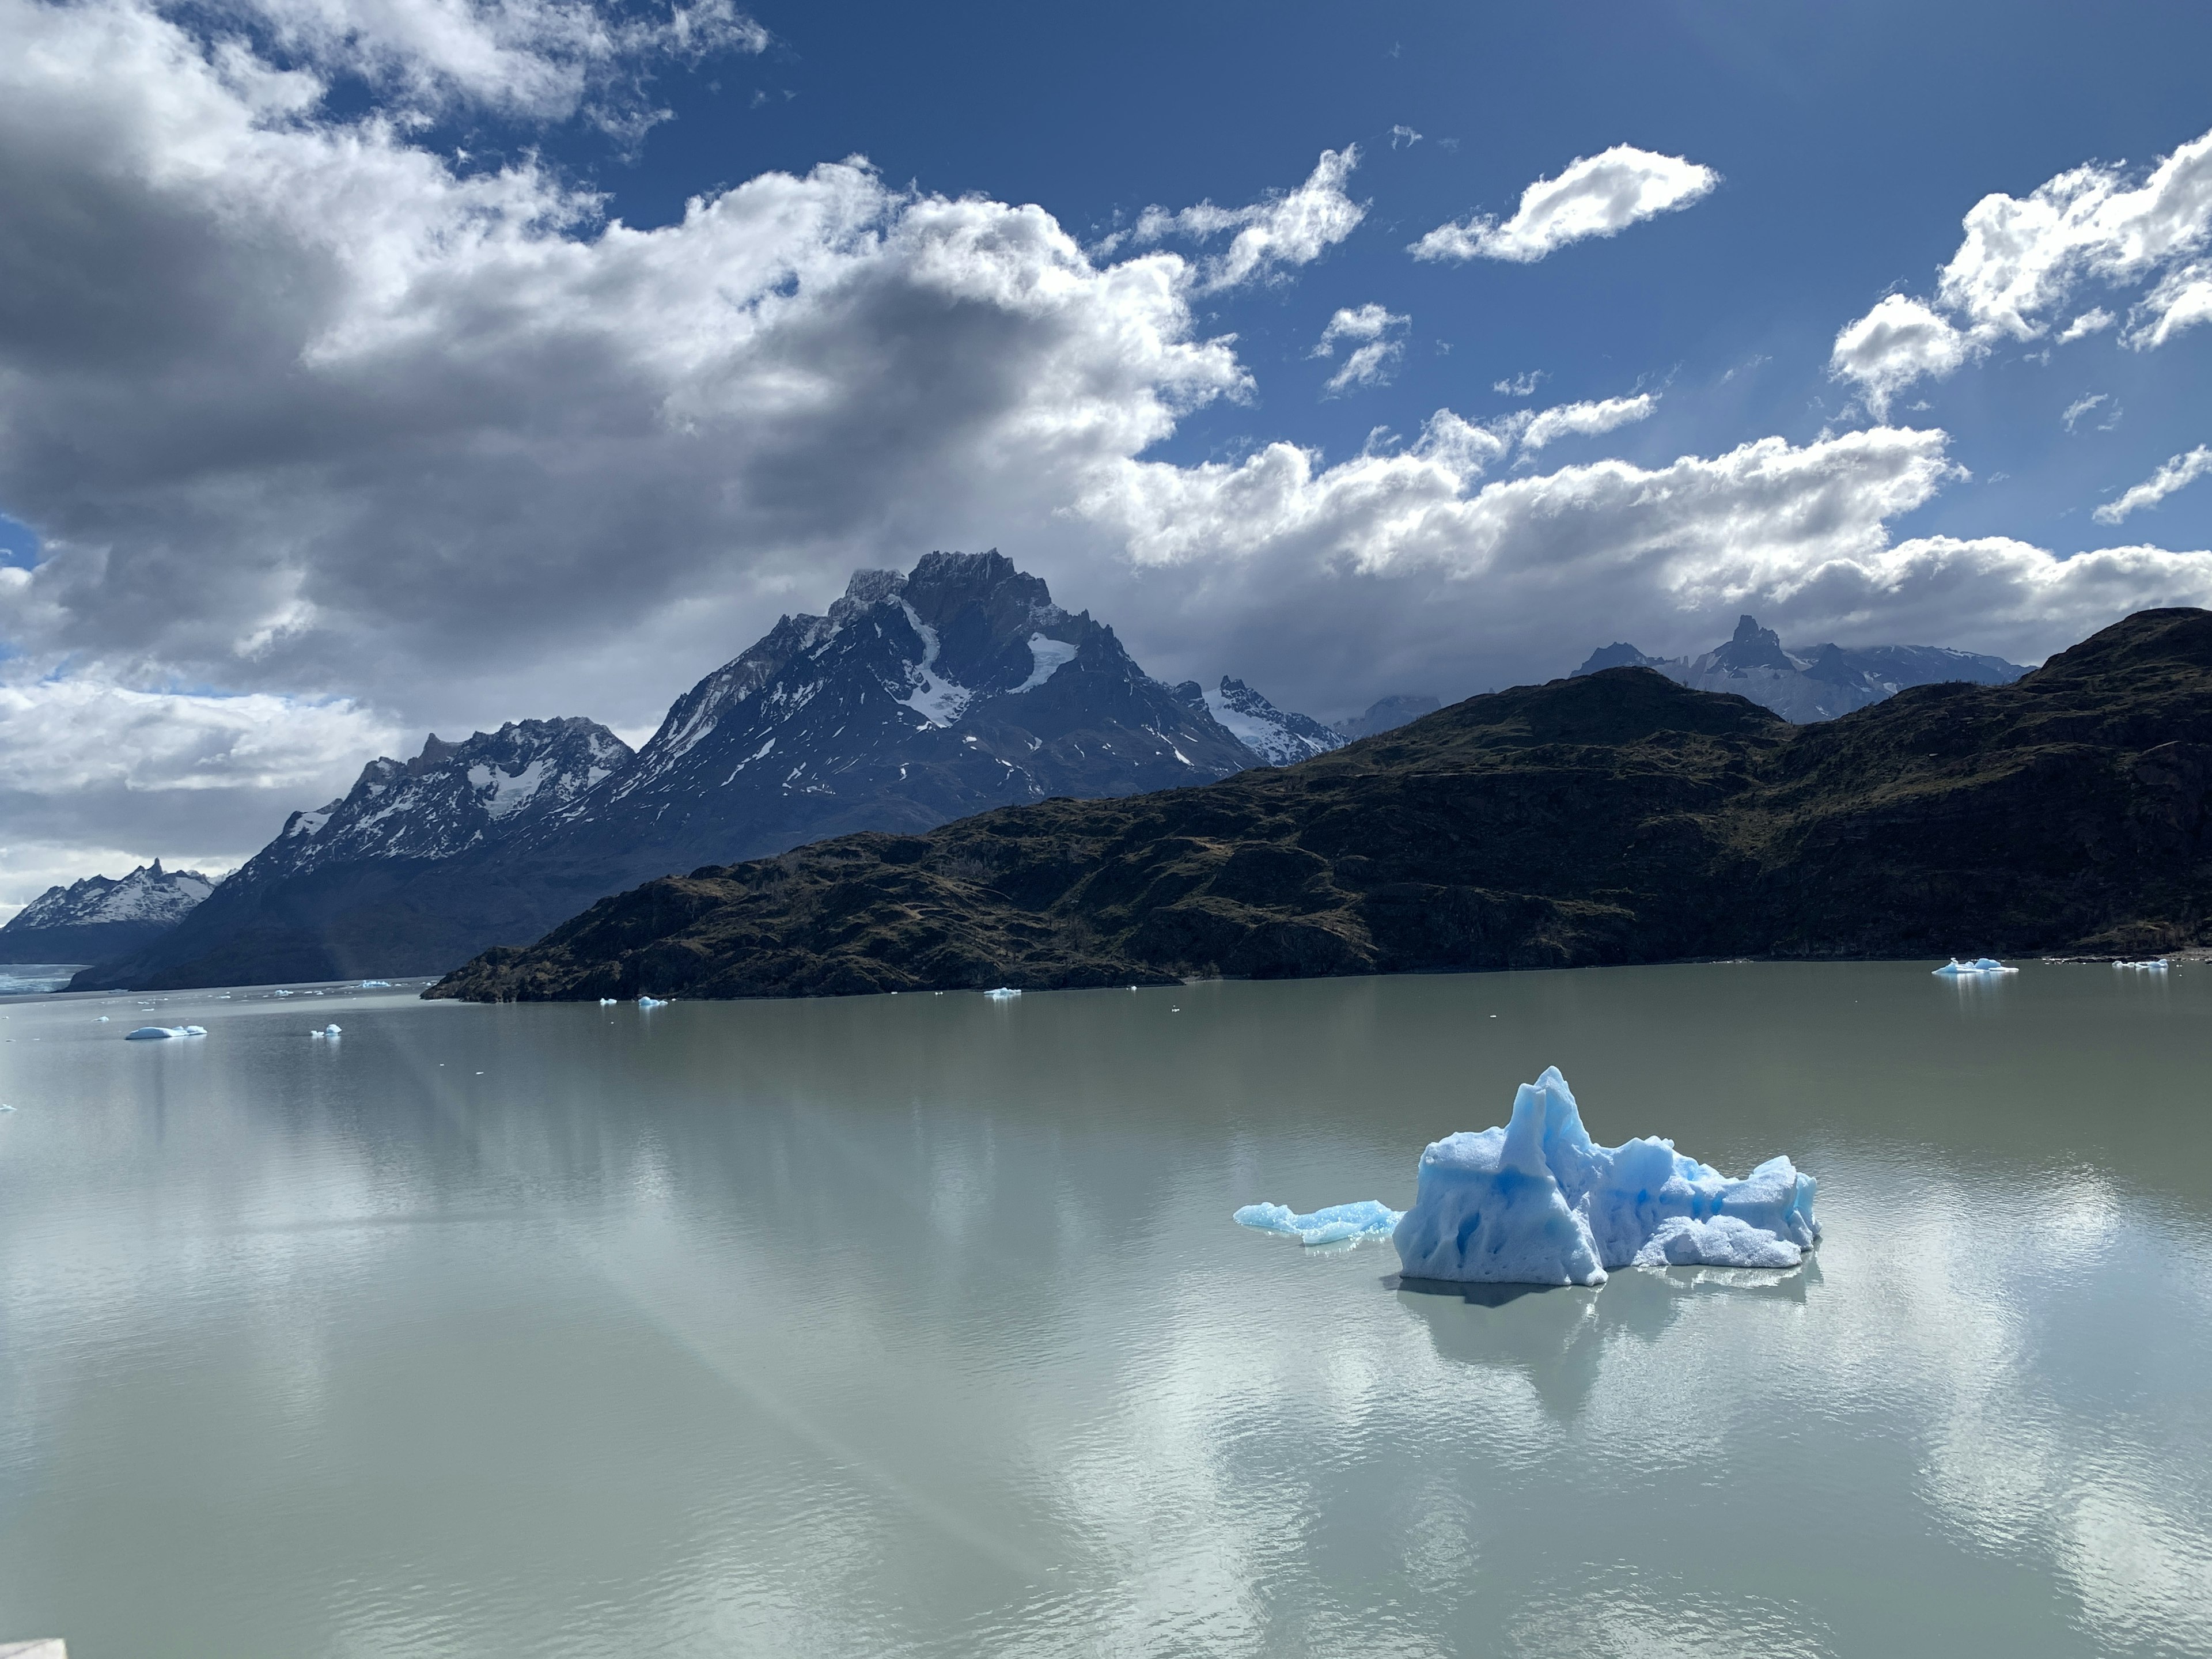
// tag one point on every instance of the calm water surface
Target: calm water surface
(918, 1326)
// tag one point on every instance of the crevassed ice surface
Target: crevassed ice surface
(1536, 1201)
(917, 1327)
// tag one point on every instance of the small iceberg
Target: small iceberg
(1331, 1225)
(1538, 1202)
(1955, 969)
(376, 985)
(1004, 993)
(2158, 965)
(327, 1032)
(157, 1033)
(607, 1002)
(652, 1002)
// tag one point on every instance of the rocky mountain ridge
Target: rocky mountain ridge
(99, 917)
(1613, 817)
(1817, 685)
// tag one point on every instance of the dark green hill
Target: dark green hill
(1615, 818)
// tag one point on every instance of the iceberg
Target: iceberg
(376, 985)
(1004, 993)
(1955, 969)
(327, 1032)
(1330, 1225)
(607, 1002)
(1538, 1202)
(2157, 964)
(156, 1033)
(652, 1002)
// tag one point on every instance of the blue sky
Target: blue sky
(369, 367)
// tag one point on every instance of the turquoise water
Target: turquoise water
(917, 1325)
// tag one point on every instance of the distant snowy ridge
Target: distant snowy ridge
(96, 918)
(1276, 738)
(147, 894)
(1819, 686)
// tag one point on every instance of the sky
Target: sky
(369, 368)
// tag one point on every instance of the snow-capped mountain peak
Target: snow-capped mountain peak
(451, 797)
(1278, 738)
(147, 894)
(1818, 685)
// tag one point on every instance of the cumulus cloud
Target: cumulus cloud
(1294, 228)
(2177, 473)
(1374, 352)
(1507, 572)
(1595, 196)
(1897, 343)
(2022, 260)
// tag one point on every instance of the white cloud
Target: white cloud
(2177, 473)
(2090, 322)
(537, 59)
(1586, 420)
(1374, 355)
(91, 770)
(2182, 300)
(1280, 556)
(1595, 195)
(1521, 385)
(1894, 344)
(1405, 135)
(2021, 261)
(2083, 405)
(1293, 229)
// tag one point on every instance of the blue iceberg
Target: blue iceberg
(1538, 1202)
(156, 1033)
(1955, 969)
(1331, 1225)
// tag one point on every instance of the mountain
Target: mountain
(1819, 686)
(1277, 738)
(96, 918)
(1615, 818)
(316, 902)
(1386, 716)
(920, 697)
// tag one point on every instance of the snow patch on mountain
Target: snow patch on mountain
(1048, 656)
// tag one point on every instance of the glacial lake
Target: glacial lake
(918, 1326)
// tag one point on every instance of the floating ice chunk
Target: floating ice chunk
(1004, 993)
(327, 1032)
(283, 994)
(1331, 1225)
(2158, 965)
(376, 985)
(1955, 969)
(103, 1019)
(1538, 1202)
(1723, 1241)
(652, 1002)
(156, 1033)
(607, 1002)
